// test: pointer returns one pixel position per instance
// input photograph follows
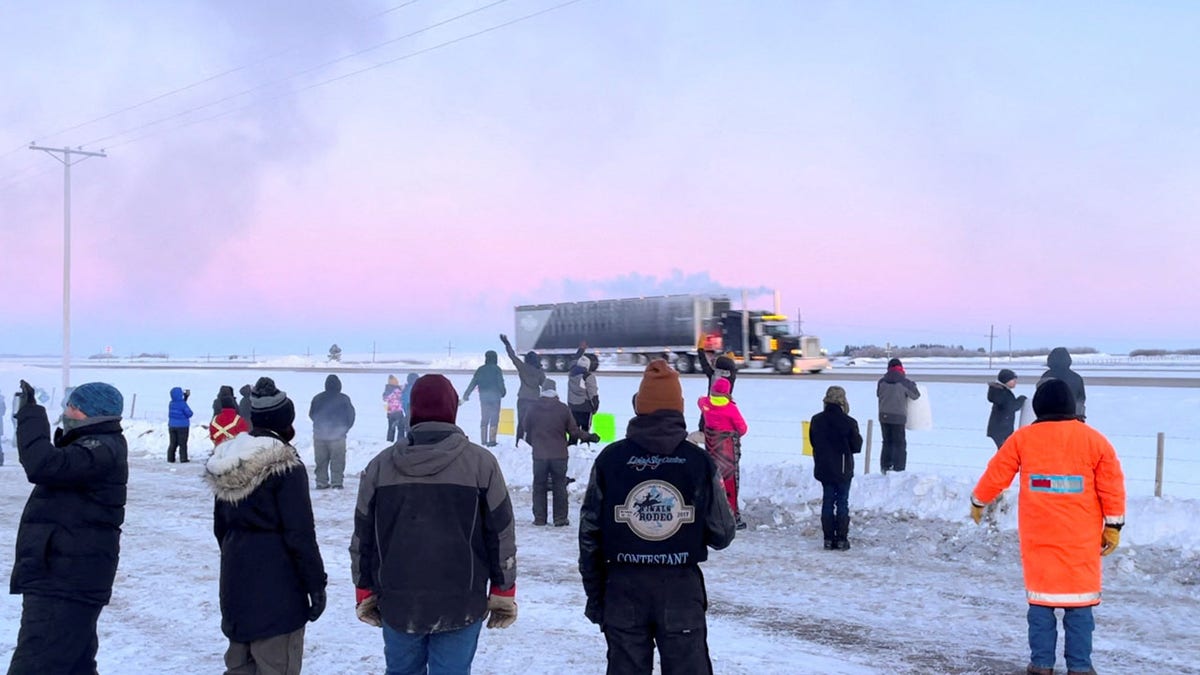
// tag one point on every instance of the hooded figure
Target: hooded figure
(654, 506)
(272, 576)
(440, 489)
(332, 415)
(179, 416)
(529, 370)
(1070, 513)
(243, 407)
(490, 380)
(724, 428)
(583, 396)
(1059, 368)
(224, 391)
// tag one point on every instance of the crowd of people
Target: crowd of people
(655, 503)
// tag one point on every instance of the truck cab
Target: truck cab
(771, 343)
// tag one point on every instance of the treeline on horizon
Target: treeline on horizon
(877, 352)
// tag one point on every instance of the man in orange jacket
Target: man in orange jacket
(1072, 508)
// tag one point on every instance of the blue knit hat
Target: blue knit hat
(97, 399)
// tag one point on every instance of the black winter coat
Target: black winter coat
(68, 541)
(659, 441)
(1059, 362)
(331, 412)
(1005, 405)
(243, 407)
(835, 440)
(225, 390)
(263, 521)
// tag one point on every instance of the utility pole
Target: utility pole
(449, 349)
(991, 336)
(67, 158)
(1010, 343)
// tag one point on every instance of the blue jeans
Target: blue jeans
(835, 509)
(1078, 624)
(446, 653)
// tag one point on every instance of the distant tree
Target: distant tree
(335, 353)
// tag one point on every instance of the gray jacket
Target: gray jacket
(894, 390)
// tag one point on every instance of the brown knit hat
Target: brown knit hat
(660, 389)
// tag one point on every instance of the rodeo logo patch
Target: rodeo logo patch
(655, 511)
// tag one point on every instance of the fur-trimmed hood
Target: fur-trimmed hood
(238, 466)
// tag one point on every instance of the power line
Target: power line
(197, 83)
(331, 80)
(293, 76)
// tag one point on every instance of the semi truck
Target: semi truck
(675, 327)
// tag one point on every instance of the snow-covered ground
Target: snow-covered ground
(922, 591)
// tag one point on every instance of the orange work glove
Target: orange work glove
(1111, 538)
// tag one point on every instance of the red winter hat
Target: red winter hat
(433, 400)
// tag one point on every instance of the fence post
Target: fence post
(1158, 465)
(133, 406)
(867, 454)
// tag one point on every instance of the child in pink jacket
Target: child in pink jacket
(723, 431)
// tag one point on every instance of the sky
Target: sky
(281, 177)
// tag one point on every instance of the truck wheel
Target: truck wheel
(560, 363)
(548, 364)
(783, 364)
(684, 363)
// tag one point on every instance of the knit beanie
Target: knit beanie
(433, 400)
(894, 363)
(1054, 398)
(1006, 376)
(837, 396)
(227, 401)
(584, 362)
(659, 390)
(271, 409)
(97, 399)
(549, 388)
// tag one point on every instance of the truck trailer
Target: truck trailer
(675, 327)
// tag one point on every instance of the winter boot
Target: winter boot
(483, 435)
(1035, 670)
(491, 437)
(828, 529)
(841, 542)
(828, 544)
(1091, 671)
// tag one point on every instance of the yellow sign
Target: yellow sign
(507, 427)
(807, 447)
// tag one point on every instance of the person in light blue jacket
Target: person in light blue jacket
(179, 421)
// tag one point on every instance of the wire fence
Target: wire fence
(962, 451)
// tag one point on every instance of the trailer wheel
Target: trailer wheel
(560, 363)
(684, 363)
(783, 364)
(547, 364)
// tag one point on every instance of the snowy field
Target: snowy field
(922, 591)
